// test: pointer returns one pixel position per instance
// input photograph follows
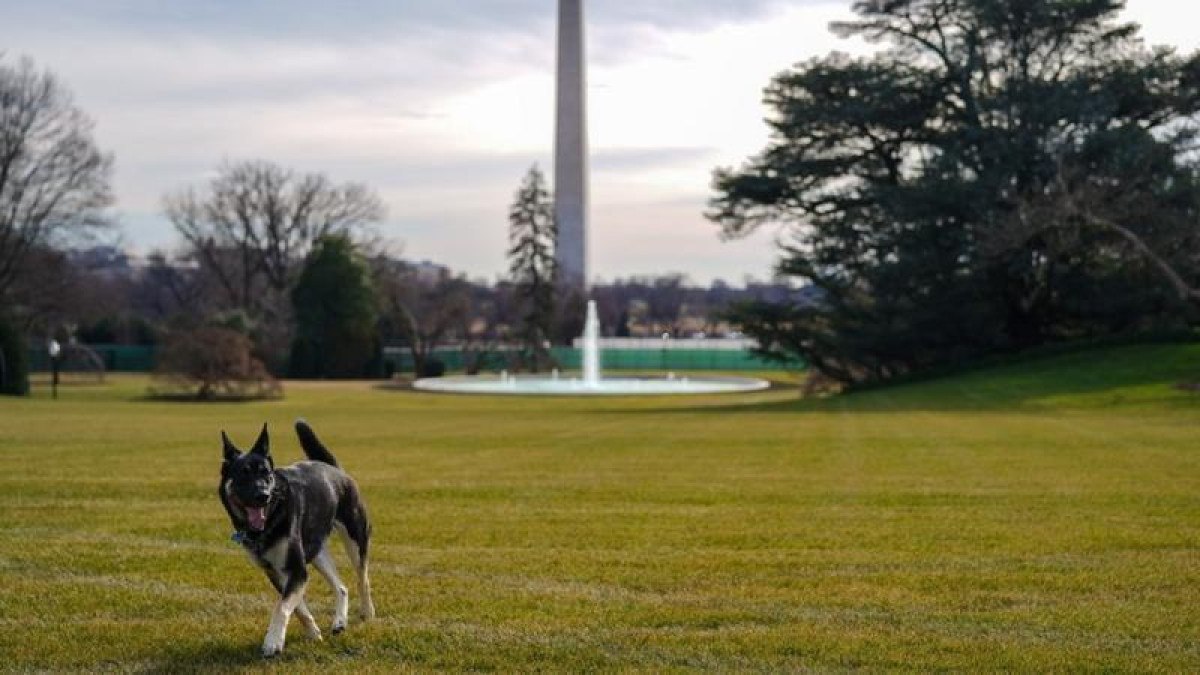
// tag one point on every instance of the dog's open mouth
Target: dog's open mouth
(257, 516)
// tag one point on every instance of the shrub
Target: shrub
(211, 363)
(433, 367)
(14, 360)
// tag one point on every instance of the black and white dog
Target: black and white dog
(283, 518)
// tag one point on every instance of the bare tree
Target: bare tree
(483, 333)
(254, 223)
(49, 290)
(168, 288)
(54, 182)
(423, 310)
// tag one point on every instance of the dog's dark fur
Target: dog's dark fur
(283, 518)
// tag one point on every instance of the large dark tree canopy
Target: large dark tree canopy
(925, 186)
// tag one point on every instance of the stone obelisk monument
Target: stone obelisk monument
(570, 148)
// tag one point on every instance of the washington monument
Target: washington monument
(570, 148)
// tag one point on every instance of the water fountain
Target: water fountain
(590, 382)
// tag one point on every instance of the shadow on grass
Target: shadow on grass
(192, 398)
(207, 657)
(216, 654)
(1091, 379)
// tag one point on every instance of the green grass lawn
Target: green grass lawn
(1043, 516)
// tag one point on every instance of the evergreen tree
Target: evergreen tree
(532, 234)
(917, 182)
(336, 314)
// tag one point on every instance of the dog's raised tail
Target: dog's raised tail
(314, 449)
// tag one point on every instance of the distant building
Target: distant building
(428, 271)
(100, 259)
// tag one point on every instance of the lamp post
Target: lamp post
(55, 350)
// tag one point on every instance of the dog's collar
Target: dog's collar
(248, 540)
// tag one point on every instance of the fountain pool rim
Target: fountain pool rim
(538, 385)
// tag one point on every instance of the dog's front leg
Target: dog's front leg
(306, 617)
(295, 580)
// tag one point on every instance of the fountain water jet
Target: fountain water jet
(591, 347)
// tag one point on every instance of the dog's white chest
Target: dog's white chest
(274, 558)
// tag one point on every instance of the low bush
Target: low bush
(211, 363)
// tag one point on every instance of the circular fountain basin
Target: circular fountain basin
(608, 386)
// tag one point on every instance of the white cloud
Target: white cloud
(1166, 22)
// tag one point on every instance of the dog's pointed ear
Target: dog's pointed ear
(231, 451)
(263, 445)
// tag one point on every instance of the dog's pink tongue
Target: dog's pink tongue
(257, 516)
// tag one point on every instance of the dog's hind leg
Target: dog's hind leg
(324, 564)
(366, 605)
(358, 557)
(306, 618)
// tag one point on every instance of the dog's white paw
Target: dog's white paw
(272, 646)
(314, 632)
(367, 611)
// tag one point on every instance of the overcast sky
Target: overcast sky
(442, 105)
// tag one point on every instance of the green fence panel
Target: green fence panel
(570, 358)
(141, 359)
(127, 358)
(116, 358)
